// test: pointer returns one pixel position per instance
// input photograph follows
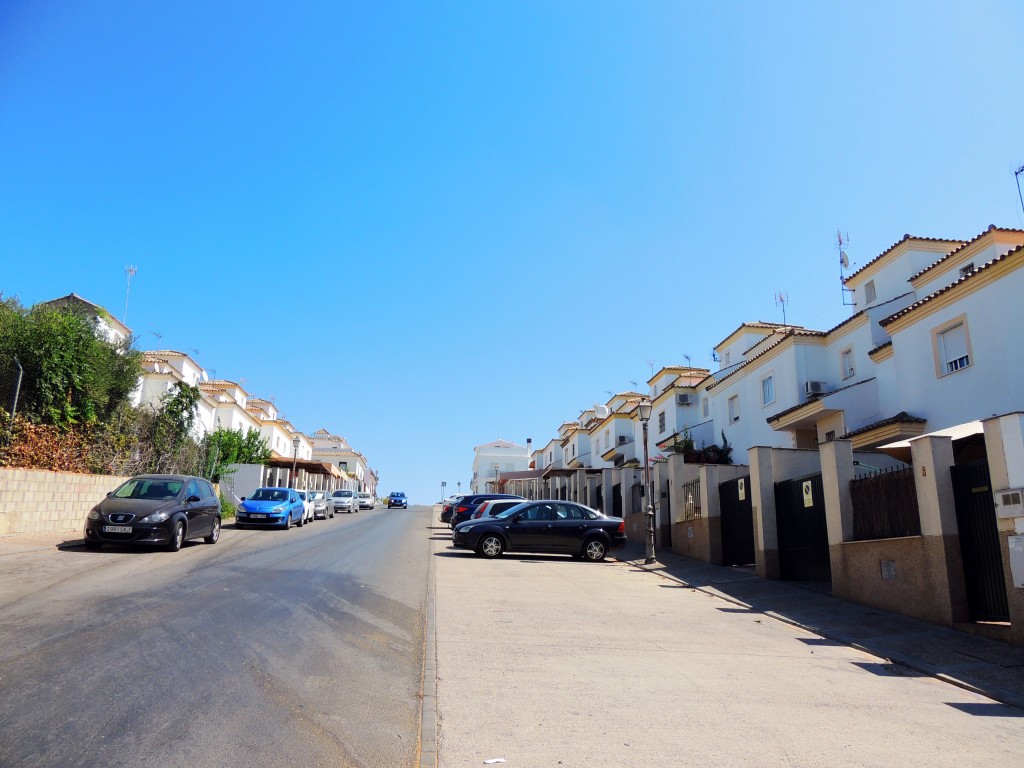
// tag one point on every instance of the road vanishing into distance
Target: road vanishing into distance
(300, 647)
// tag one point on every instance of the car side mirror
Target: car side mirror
(110, 493)
(192, 499)
(518, 517)
(243, 498)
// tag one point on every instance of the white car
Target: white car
(345, 500)
(366, 501)
(307, 507)
(322, 506)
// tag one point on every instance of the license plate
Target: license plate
(117, 529)
(258, 516)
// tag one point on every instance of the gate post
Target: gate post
(836, 473)
(766, 533)
(932, 457)
(711, 506)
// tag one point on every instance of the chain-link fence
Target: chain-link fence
(11, 375)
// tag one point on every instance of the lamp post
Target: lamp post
(458, 486)
(644, 408)
(443, 484)
(295, 458)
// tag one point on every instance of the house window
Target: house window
(734, 408)
(952, 347)
(661, 422)
(830, 436)
(846, 363)
(967, 269)
(869, 291)
(705, 407)
(728, 358)
(768, 390)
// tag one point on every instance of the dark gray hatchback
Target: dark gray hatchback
(156, 510)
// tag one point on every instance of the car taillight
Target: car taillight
(622, 527)
(460, 509)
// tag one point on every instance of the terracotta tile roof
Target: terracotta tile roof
(823, 395)
(900, 418)
(892, 247)
(932, 296)
(756, 324)
(881, 346)
(952, 253)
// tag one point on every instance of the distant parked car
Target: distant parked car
(271, 506)
(467, 505)
(448, 506)
(543, 526)
(162, 510)
(397, 499)
(321, 505)
(307, 504)
(345, 500)
(366, 501)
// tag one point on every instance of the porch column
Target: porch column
(766, 535)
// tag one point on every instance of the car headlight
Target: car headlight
(94, 514)
(156, 517)
(282, 508)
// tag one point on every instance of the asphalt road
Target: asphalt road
(270, 648)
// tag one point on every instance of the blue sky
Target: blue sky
(428, 225)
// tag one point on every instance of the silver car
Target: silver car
(345, 500)
(322, 506)
(366, 501)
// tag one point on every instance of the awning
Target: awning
(901, 448)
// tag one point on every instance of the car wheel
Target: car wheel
(490, 546)
(287, 521)
(595, 550)
(332, 514)
(177, 537)
(214, 536)
(302, 520)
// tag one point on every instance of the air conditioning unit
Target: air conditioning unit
(814, 387)
(623, 439)
(684, 399)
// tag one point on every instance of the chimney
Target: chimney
(529, 440)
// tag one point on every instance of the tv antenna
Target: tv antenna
(635, 385)
(651, 363)
(781, 299)
(159, 338)
(844, 264)
(130, 271)
(1016, 175)
(686, 357)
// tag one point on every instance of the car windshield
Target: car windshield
(269, 494)
(397, 495)
(146, 488)
(342, 493)
(302, 495)
(316, 495)
(509, 512)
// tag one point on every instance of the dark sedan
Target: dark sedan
(463, 509)
(543, 526)
(162, 510)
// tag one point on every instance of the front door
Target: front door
(979, 542)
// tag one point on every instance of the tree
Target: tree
(230, 446)
(71, 374)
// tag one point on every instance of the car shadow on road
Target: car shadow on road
(77, 546)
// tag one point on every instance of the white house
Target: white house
(106, 325)
(491, 459)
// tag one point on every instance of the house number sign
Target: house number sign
(808, 494)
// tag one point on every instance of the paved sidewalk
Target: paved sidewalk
(989, 667)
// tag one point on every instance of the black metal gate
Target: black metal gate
(737, 521)
(617, 500)
(979, 542)
(666, 521)
(802, 530)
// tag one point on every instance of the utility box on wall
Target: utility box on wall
(1017, 560)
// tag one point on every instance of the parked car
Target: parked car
(322, 506)
(366, 500)
(271, 506)
(467, 505)
(448, 506)
(307, 505)
(162, 510)
(345, 500)
(492, 507)
(543, 526)
(397, 499)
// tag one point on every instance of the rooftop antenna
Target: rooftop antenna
(635, 385)
(651, 363)
(195, 352)
(689, 363)
(1016, 175)
(159, 339)
(714, 356)
(130, 270)
(781, 299)
(844, 264)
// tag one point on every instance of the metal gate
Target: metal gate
(737, 521)
(617, 500)
(979, 542)
(666, 521)
(802, 530)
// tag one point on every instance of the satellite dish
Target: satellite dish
(205, 377)
(844, 259)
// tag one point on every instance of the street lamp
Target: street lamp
(458, 485)
(443, 484)
(644, 408)
(295, 458)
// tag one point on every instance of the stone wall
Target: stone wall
(37, 501)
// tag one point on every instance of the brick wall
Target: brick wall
(36, 501)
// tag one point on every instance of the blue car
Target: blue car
(271, 507)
